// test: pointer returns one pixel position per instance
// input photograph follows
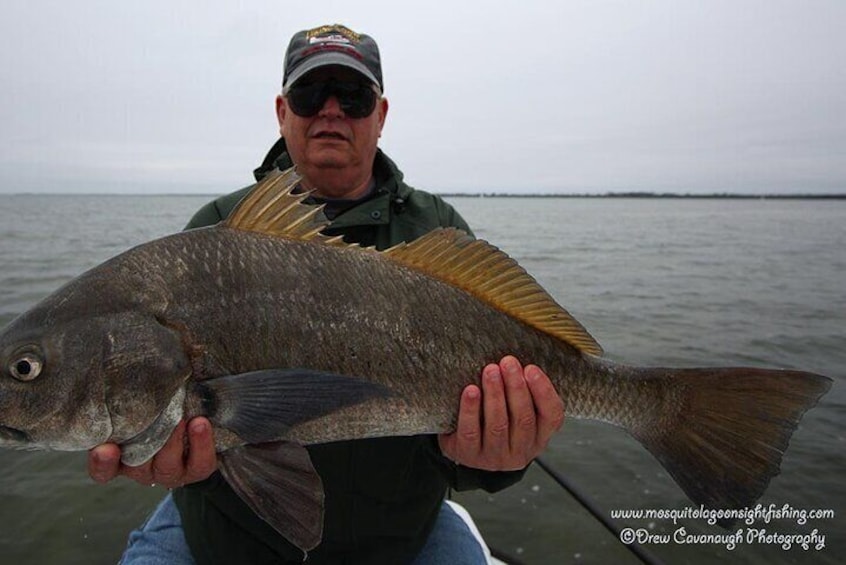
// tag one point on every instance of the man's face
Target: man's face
(333, 152)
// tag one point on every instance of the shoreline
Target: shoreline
(670, 195)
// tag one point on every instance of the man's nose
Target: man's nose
(332, 108)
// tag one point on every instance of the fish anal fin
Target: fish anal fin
(486, 272)
(278, 482)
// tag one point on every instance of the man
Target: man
(384, 497)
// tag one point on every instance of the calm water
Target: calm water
(685, 282)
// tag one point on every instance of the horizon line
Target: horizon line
(623, 194)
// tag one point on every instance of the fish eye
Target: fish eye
(26, 367)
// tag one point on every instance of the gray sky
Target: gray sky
(527, 96)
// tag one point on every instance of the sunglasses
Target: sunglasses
(357, 100)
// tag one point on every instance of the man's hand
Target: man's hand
(507, 423)
(181, 461)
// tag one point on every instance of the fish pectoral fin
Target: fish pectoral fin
(141, 448)
(279, 483)
(261, 406)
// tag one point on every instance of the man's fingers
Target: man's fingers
(521, 408)
(548, 405)
(104, 462)
(495, 440)
(169, 464)
(142, 474)
(202, 459)
(468, 433)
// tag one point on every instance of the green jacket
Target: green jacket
(382, 495)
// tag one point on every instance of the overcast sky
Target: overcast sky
(527, 96)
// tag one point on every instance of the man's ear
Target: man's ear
(383, 113)
(281, 111)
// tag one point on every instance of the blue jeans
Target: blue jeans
(160, 540)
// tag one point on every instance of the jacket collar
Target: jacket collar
(391, 192)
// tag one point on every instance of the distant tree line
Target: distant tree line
(641, 194)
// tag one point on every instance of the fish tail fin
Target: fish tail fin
(721, 433)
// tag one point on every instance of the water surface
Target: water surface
(683, 282)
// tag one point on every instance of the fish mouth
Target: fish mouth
(12, 435)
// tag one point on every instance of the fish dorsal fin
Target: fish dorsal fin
(447, 254)
(273, 208)
(481, 269)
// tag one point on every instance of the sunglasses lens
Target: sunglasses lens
(306, 99)
(356, 100)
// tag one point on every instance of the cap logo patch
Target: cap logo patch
(332, 33)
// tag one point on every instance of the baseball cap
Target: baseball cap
(331, 45)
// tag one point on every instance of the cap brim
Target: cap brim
(326, 59)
